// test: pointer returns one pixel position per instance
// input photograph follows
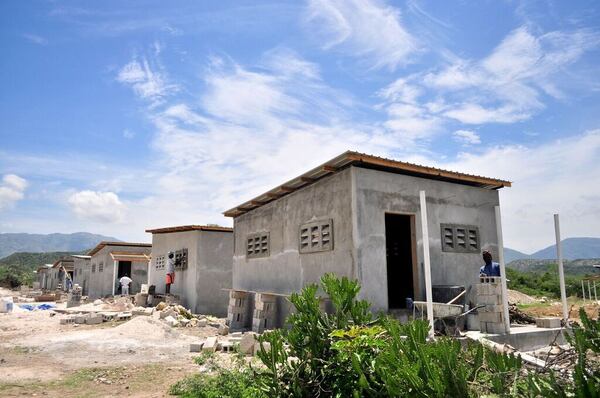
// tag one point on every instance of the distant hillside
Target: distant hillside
(30, 243)
(18, 267)
(575, 267)
(573, 249)
(511, 255)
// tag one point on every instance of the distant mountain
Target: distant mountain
(511, 255)
(18, 267)
(571, 267)
(572, 248)
(20, 242)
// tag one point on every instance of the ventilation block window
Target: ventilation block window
(93, 268)
(258, 245)
(100, 267)
(460, 238)
(316, 236)
(181, 259)
(159, 262)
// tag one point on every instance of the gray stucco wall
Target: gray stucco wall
(101, 283)
(81, 270)
(286, 270)
(209, 269)
(376, 193)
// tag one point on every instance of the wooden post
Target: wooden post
(114, 276)
(427, 263)
(561, 272)
(502, 269)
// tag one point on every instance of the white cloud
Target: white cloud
(128, 134)
(557, 177)
(147, 82)
(368, 29)
(12, 189)
(467, 137)
(104, 207)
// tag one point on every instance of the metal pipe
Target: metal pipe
(427, 262)
(502, 269)
(561, 272)
(589, 291)
(583, 291)
(595, 296)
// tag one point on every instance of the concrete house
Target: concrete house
(58, 274)
(358, 216)
(109, 261)
(206, 253)
(42, 275)
(81, 272)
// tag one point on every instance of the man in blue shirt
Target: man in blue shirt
(490, 268)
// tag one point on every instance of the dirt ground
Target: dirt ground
(142, 357)
(553, 308)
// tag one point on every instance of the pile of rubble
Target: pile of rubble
(244, 343)
(176, 315)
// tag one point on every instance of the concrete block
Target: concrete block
(210, 344)
(141, 299)
(107, 317)
(237, 294)
(489, 299)
(266, 346)
(167, 313)
(265, 298)
(202, 323)
(238, 302)
(490, 317)
(80, 319)
(171, 321)
(67, 321)
(493, 328)
(143, 311)
(124, 316)
(259, 325)
(491, 308)
(196, 347)
(227, 346)
(94, 319)
(265, 306)
(549, 322)
(223, 330)
(247, 343)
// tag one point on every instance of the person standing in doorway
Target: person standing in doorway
(125, 281)
(170, 272)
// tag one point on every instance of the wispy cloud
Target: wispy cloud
(36, 39)
(369, 29)
(12, 189)
(467, 137)
(149, 83)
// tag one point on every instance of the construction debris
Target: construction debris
(519, 317)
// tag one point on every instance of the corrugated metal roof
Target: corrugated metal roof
(184, 228)
(102, 244)
(351, 158)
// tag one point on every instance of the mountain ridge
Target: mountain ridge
(56, 242)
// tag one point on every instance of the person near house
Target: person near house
(125, 281)
(490, 268)
(170, 272)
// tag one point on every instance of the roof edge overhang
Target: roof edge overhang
(186, 228)
(351, 158)
(103, 244)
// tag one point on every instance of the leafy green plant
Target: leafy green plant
(584, 338)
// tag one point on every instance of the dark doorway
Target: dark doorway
(399, 256)
(124, 269)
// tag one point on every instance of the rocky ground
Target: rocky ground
(141, 357)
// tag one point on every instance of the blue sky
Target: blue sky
(120, 116)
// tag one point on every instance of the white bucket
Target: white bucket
(6, 304)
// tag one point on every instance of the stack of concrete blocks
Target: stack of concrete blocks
(238, 309)
(265, 314)
(74, 297)
(489, 294)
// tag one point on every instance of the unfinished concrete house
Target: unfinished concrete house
(43, 275)
(358, 216)
(58, 274)
(109, 261)
(81, 272)
(204, 270)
